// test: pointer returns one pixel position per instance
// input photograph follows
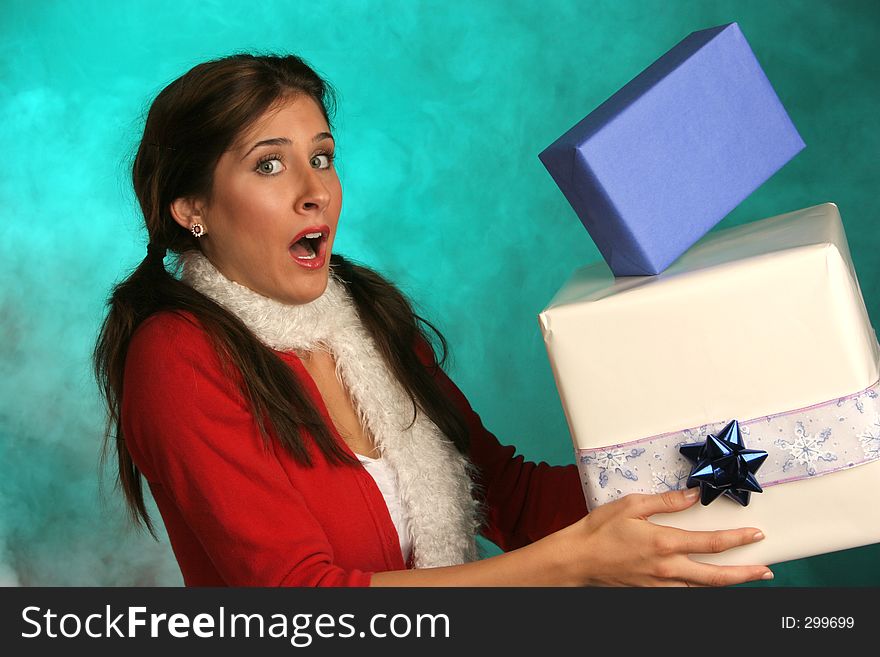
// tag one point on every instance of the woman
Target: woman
(285, 405)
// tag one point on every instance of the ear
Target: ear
(187, 211)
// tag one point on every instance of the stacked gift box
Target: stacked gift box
(741, 361)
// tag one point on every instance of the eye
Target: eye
(321, 161)
(270, 165)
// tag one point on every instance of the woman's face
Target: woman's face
(276, 184)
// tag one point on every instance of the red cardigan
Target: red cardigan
(239, 514)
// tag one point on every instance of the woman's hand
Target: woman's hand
(616, 545)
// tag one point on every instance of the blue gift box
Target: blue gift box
(664, 159)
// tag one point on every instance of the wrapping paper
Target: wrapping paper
(753, 321)
(663, 160)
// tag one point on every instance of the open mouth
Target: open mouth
(310, 244)
(307, 247)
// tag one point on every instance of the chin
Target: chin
(305, 293)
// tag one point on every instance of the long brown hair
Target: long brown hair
(190, 124)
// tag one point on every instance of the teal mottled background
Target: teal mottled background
(444, 107)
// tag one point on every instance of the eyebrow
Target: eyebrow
(284, 141)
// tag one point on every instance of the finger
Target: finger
(708, 542)
(668, 502)
(703, 574)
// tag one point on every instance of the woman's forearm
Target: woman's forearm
(615, 545)
(542, 563)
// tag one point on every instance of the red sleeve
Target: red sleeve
(192, 434)
(525, 500)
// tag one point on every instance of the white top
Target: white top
(386, 480)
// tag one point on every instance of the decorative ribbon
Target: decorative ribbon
(807, 442)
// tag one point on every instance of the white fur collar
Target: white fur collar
(434, 478)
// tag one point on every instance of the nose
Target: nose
(314, 195)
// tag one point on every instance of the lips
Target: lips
(311, 252)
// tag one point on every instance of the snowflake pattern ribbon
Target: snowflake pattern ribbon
(807, 442)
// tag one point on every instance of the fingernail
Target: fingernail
(691, 493)
(758, 536)
(767, 575)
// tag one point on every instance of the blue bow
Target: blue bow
(723, 465)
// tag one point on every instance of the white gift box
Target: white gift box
(762, 322)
